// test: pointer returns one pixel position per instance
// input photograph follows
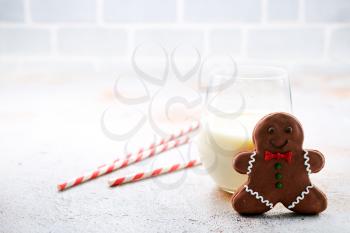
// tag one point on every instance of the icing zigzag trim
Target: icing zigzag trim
(307, 190)
(306, 163)
(300, 197)
(251, 161)
(258, 196)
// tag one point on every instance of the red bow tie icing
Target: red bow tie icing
(287, 156)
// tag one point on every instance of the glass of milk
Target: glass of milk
(231, 112)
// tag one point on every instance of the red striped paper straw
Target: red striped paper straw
(123, 163)
(144, 175)
(184, 131)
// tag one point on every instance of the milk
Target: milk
(219, 140)
(230, 115)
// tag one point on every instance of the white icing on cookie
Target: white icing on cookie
(267, 202)
(306, 163)
(258, 196)
(251, 161)
(300, 197)
(307, 189)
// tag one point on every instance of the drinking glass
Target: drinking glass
(230, 115)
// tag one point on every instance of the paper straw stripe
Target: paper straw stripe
(174, 168)
(191, 163)
(79, 180)
(148, 174)
(94, 175)
(138, 176)
(123, 163)
(61, 186)
(166, 147)
(119, 181)
(156, 172)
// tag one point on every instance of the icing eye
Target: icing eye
(271, 130)
(288, 129)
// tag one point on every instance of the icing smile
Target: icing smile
(279, 146)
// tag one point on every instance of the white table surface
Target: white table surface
(50, 131)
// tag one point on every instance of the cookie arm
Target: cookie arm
(316, 160)
(240, 162)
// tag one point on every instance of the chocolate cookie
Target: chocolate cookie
(278, 170)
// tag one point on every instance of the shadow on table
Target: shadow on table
(222, 195)
(278, 212)
(279, 215)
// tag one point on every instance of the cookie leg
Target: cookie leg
(247, 204)
(313, 203)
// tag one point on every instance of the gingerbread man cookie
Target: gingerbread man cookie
(278, 170)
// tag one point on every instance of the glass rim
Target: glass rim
(261, 72)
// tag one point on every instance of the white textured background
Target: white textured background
(51, 130)
(93, 36)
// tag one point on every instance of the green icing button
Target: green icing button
(279, 185)
(278, 165)
(278, 176)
